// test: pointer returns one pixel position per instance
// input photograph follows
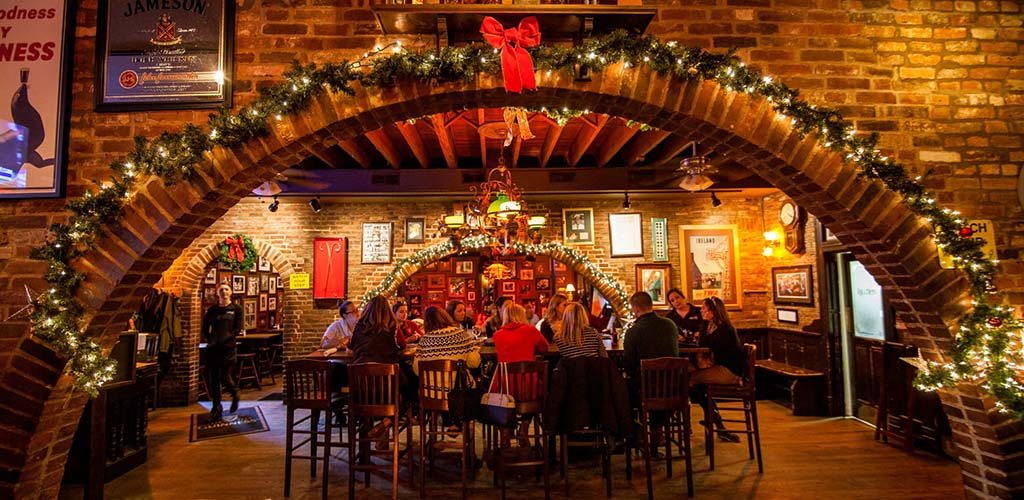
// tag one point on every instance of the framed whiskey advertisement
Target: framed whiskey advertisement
(164, 55)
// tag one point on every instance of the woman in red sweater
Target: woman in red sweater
(518, 340)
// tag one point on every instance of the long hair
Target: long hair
(718, 314)
(573, 323)
(551, 314)
(435, 318)
(514, 313)
(377, 315)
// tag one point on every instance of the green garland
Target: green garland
(981, 352)
(248, 254)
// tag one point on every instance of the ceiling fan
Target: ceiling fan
(281, 182)
(695, 171)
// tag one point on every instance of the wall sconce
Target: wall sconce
(771, 242)
(314, 204)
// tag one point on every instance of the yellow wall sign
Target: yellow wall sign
(299, 281)
(984, 231)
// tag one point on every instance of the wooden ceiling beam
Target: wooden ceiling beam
(444, 139)
(382, 142)
(517, 146)
(415, 142)
(614, 144)
(550, 141)
(483, 140)
(671, 148)
(642, 144)
(353, 149)
(585, 139)
(331, 156)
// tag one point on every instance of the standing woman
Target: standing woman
(577, 339)
(408, 330)
(552, 322)
(727, 361)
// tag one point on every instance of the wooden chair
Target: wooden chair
(528, 382)
(436, 379)
(373, 395)
(308, 387)
(664, 388)
(735, 398)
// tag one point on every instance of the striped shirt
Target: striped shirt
(592, 346)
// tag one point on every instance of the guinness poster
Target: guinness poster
(36, 40)
(164, 54)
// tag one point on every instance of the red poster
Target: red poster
(329, 267)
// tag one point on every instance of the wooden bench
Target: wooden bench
(806, 388)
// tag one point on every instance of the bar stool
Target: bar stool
(265, 362)
(373, 394)
(308, 387)
(528, 384)
(278, 360)
(204, 390)
(664, 387)
(436, 379)
(247, 370)
(743, 395)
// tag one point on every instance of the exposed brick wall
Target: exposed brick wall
(940, 81)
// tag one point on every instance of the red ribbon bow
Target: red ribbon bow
(516, 63)
(236, 249)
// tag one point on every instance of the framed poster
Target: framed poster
(464, 267)
(625, 233)
(249, 313)
(211, 276)
(330, 268)
(238, 284)
(164, 55)
(414, 229)
(376, 242)
(262, 264)
(659, 239)
(578, 226)
(654, 279)
(711, 262)
(457, 287)
(253, 287)
(793, 285)
(36, 72)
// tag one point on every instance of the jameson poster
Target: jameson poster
(164, 54)
(35, 41)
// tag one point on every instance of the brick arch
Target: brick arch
(191, 277)
(894, 244)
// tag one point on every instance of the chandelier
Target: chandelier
(695, 168)
(496, 210)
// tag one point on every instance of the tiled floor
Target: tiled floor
(804, 457)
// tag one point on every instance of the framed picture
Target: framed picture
(457, 287)
(154, 55)
(526, 274)
(272, 303)
(527, 264)
(511, 265)
(793, 285)
(238, 284)
(542, 268)
(38, 57)
(560, 267)
(435, 281)
(508, 286)
(435, 297)
(625, 232)
(376, 242)
(659, 239)
(415, 312)
(263, 302)
(578, 226)
(654, 279)
(526, 289)
(249, 313)
(415, 300)
(710, 263)
(272, 281)
(211, 276)
(209, 295)
(330, 268)
(262, 264)
(445, 266)
(464, 267)
(543, 284)
(264, 282)
(787, 315)
(414, 284)
(253, 287)
(471, 295)
(414, 229)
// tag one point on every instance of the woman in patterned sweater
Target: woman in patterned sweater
(445, 340)
(576, 338)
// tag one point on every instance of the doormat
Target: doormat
(274, 396)
(244, 421)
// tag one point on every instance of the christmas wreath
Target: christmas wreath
(238, 253)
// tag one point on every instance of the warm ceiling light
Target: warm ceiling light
(696, 182)
(695, 168)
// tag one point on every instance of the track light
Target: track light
(625, 201)
(715, 202)
(315, 205)
(273, 205)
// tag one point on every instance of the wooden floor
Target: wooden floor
(804, 457)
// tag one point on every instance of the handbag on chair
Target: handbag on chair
(499, 408)
(464, 396)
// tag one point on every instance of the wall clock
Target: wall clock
(794, 221)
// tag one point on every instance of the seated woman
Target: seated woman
(408, 330)
(726, 363)
(576, 338)
(445, 340)
(457, 310)
(551, 324)
(517, 340)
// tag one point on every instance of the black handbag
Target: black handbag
(499, 408)
(464, 396)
